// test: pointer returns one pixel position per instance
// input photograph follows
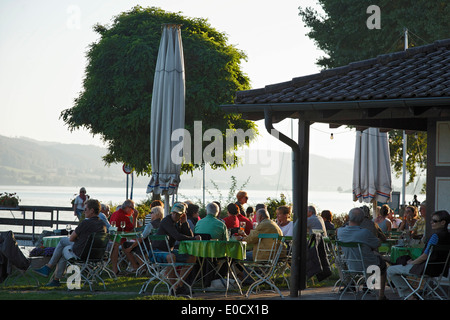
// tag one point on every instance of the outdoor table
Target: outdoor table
(51, 241)
(215, 249)
(413, 251)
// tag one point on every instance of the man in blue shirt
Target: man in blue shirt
(211, 225)
(354, 233)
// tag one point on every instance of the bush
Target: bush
(9, 199)
(273, 204)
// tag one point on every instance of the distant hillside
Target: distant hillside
(29, 162)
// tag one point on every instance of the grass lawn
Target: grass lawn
(122, 288)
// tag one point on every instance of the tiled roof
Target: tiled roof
(414, 73)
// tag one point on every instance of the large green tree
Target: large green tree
(117, 89)
(340, 29)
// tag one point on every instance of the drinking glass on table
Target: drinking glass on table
(242, 225)
(140, 222)
(122, 225)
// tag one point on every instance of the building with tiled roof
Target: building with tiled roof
(408, 90)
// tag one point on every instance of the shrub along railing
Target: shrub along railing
(32, 217)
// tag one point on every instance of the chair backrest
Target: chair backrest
(204, 236)
(352, 256)
(288, 241)
(161, 238)
(95, 246)
(438, 260)
(268, 245)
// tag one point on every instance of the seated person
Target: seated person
(327, 217)
(104, 214)
(211, 225)
(192, 215)
(248, 223)
(155, 203)
(369, 224)
(418, 231)
(157, 214)
(439, 226)
(355, 233)
(284, 220)
(232, 221)
(128, 214)
(315, 222)
(265, 225)
(382, 220)
(72, 247)
(176, 227)
(410, 217)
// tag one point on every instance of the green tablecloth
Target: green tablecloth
(117, 236)
(52, 241)
(397, 251)
(214, 248)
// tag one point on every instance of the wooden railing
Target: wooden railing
(28, 220)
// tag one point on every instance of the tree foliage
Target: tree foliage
(341, 32)
(341, 29)
(117, 89)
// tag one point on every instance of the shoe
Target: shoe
(53, 283)
(131, 270)
(43, 271)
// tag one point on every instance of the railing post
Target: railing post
(33, 224)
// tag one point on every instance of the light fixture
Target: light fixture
(331, 137)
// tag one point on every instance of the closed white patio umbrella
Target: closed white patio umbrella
(167, 113)
(372, 167)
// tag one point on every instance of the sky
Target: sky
(43, 45)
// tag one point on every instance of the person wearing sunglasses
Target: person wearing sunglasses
(440, 236)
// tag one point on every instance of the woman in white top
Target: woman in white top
(284, 220)
(78, 203)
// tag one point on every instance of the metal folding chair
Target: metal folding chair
(285, 262)
(92, 260)
(20, 273)
(428, 285)
(353, 270)
(264, 263)
(160, 268)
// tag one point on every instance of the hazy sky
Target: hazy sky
(43, 45)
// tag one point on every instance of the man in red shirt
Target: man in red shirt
(128, 214)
